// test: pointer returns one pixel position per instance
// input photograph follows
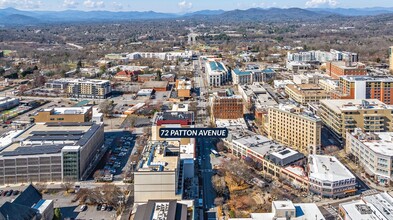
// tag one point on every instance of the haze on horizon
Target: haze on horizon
(183, 6)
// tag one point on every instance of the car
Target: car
(83, 208)
(5, 193)
(98, 208)
(9, 193)
(15, 193)
(103, 208)
(110, 208)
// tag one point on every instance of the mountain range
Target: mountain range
(12, 16)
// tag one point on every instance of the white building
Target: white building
(373, 151)
(329, 177)
(8, 103)
(296, 66)
(241, 77)
(322, 56)
(288, 210)
(216, 73)
(280, 84)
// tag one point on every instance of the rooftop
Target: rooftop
(259, 144)
(159, 157)
(368, 78)
(155, 84)
(307, 89)
(379, 142)
(184, 84)
(68, 110)
(343, 65)
(357, 210)
(381, 203)
(340, 105)
(174, 116)
(241, 73)
(216, 66)
(328, 168)
(89, 81)
(50, 138)
(301, 111)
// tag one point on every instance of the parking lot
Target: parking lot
(114, 162)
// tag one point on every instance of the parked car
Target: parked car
(5, 193)
(83, 208)
(98, 208)
(110, 208)
(103, 208)
(15, 193)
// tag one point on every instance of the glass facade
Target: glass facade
(71, 166)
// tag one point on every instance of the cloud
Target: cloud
(70, 3)
(23, 4)
(117, 5)
(93, 4)
(183, 5)
(316, 3)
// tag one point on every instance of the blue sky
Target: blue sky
(179, 6)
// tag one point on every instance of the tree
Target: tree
(57, 215)
(2, 71)
(106, 107)
(219, 185)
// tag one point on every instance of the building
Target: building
(295, 127)
(28, 205)
(341, 68)
(227, 107)
(329, 177)
(344, 115)
(125, 75)
(288, 210)
(297, 66)
(159, 175)
(377, 206)
(280, 84)
(328, 85)
(241, 77)
(166, 209)
(322, 56)
(51, 152)
(306, 78)
(216, 72)
(306, 93)
(147, 77)
(89, 88)
(366, 87)
(391, 59)
(374, 152)
(170, 77)
(66, 114)
(58, 84)
(158, 86)
(8, 103)
(183, 88)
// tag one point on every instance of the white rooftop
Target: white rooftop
(68, 110)
(339, 105)
(382, 146)
(352, 208)
(329, 168)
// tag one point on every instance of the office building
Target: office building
(58, 84)
(162, 209)
(306, 93)
(328, 85)
(280, 84)
(288, 210)
(51, 152)
(344, 115)
(66, 114)
(341, 68)
(322, 56)
(306, 78)
(241, 77)
(226, 106)
(329, 177)
(216, 72)
(365, 87)
(295, 127)
(159, 174)
(89, 88)
(377, 206)
(297, 66)
(374, 152)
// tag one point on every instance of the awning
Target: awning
(350, 191)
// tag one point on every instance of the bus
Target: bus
(215, 153)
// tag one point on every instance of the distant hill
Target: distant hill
(11, 16)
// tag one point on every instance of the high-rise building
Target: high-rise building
(295, 127)
(391, 59)
(345, 115)
(306, 93)
(365, 87)
(216, 72)
(227, 106)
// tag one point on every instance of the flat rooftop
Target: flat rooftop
(368, 78)
(300, 111)
(381, 202)
(159, 157)
(216, 66)
(184, 84)
(259, 144)
(307, 89)
(89, 81)
(50, 138)
(329, 168)
(340, 105)
(68, 110)
(155, 84)
(173, 116)
(354, 65)
(357, 210)
(379, 142)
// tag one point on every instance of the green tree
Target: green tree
(57, 215)
(159, 73)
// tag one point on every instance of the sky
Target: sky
(182, 6)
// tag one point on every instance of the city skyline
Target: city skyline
(182, 6)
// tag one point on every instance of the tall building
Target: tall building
(391, 59)
(329, 177)
(344, 115)
(322, 56)
(227, 106)
(51, 152)
(295, 127)
(216, 72)
(345, 68)
(159, 174)
(365, 87)
(89, 88)
(70, 114)
(306, 93)
(374, 152)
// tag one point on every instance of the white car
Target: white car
(83, 208)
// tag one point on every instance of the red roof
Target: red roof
(125, 73)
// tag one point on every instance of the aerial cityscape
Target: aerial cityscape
(196, 110)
